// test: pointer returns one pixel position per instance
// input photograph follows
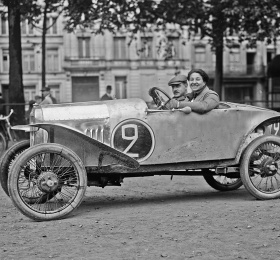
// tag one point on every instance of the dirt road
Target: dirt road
(149, 218)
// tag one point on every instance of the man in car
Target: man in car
(202, 99)
(179, 86)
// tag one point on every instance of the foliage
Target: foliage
(219, 20)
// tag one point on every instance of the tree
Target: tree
(36, 12)
(250, 20)
(15, 72)
(17, 11)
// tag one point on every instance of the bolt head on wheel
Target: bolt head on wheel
(47, 182)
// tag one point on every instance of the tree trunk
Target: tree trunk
(44, 32)
(218, 81)
(219, 48)
(16, 95)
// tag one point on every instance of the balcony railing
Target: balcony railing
(98, 62)
(234, 69)
(77, 62)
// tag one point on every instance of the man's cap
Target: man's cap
(177, 80)
(45, 89)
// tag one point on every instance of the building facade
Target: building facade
(80, 65)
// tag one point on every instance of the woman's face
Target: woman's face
(196, 82)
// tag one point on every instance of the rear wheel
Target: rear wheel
(260, 167)
(7, 159)
(222, 183)
(47, 182)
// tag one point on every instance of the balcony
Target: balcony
(99, 63)
(234, 69)
(85, 63)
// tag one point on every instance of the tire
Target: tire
(260, 168)
(47, 182)
(7, 159)
(3, 144)
(222, 183)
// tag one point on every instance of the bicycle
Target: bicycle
(6, 133)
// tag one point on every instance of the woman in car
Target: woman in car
(202, 99)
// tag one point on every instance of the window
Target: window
(52, 25)
(28, 61)
(214, 57)
(251, 56)
(234, 55)
(26, 28)
(29, 94)
(52, 63)
(84, 47)
(4, 25)
(120, 87)
(5, 62)
(200, 54)
(55, 91)
(239, 94)
(146, 48)
(173, 47)
(120, 48)
(270, 54)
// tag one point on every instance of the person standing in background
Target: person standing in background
(48, 99)
(108, 95)
(30, 107)
(38, 99)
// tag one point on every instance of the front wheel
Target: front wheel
(260, 167)
(47, 182)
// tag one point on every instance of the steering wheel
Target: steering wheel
(160, 97)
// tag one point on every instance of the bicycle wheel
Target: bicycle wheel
(13, 136)
(3, 144)
(7, 159)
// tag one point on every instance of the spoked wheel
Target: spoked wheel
(260, 167)
(223, 183)
(3, 144)
(47, 182)
(7, 159)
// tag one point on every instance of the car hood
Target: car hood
(95, 110)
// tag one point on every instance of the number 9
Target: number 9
(133, 138)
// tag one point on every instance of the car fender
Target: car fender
(91, 151)
(268, 123)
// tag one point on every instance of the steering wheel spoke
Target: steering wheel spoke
(160, 97)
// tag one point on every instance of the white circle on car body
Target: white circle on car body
(134, 138)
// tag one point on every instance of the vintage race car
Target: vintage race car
(76, 145)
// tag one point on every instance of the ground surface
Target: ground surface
(149, 218)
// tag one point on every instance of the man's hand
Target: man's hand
(173, 103)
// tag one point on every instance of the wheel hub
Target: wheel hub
(47, 181)
(270, 168)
